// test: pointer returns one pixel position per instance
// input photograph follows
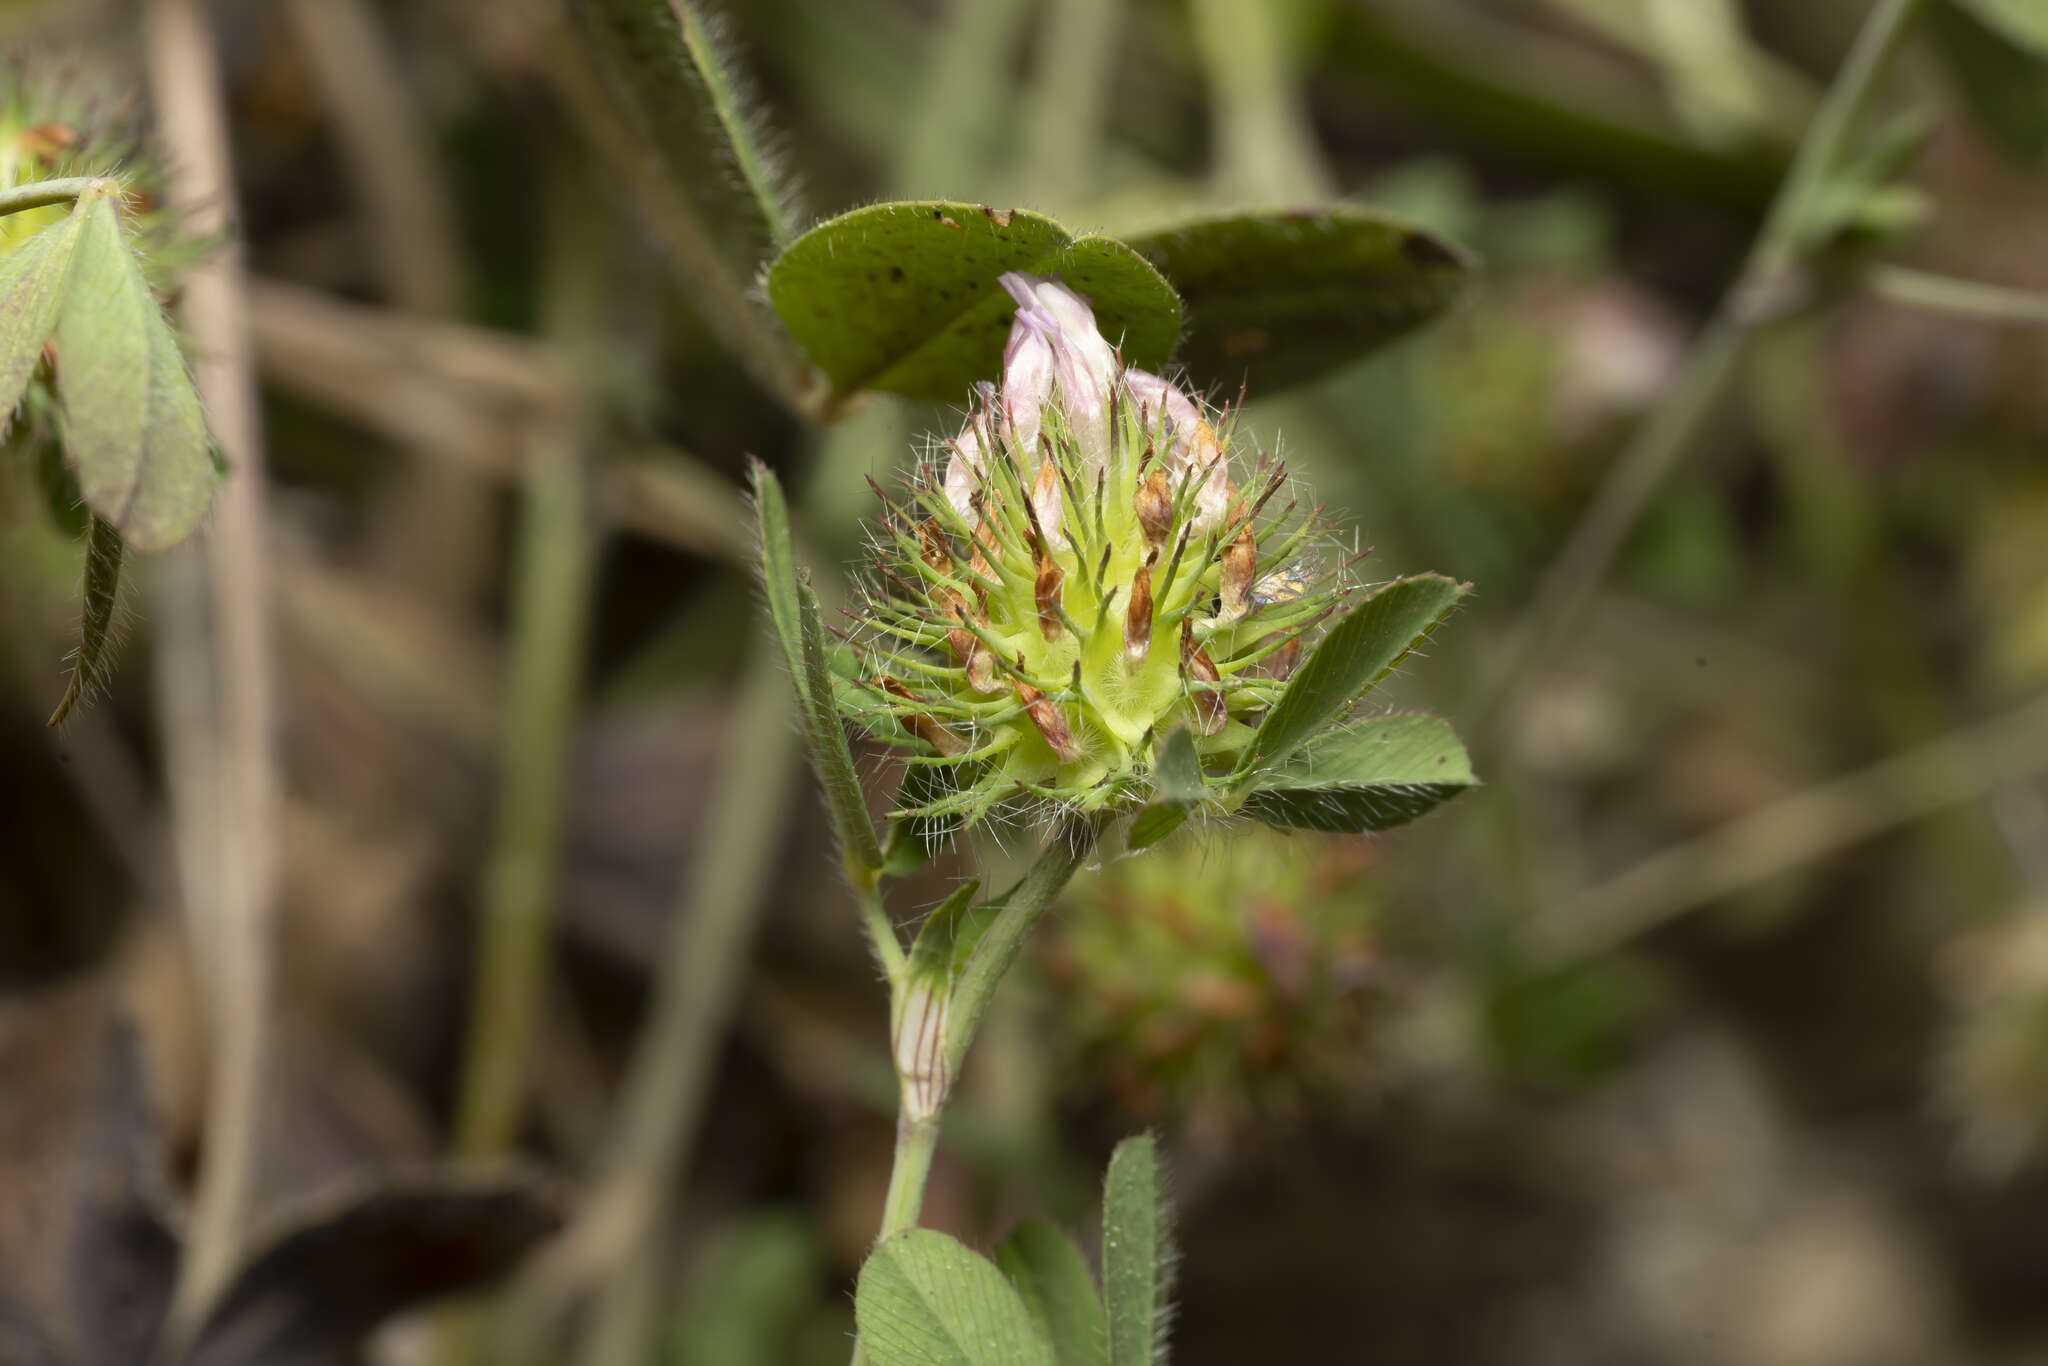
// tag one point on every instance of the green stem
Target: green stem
(1963, 298)
(874, 919)
(1027, 902)
(915, 1143)
(550, 617)
(43, 193)
(1671, 431)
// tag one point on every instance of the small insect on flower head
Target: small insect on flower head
(1085, 573)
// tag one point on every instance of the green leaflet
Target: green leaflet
(1376, 775)
(32, 281)
(947, 937)
(1137, 1254)
(794, 610)
(134, 434)
(1178, 789)
(925, 1299)
(102, 590)
(903, 297)
(1053, 1278)
(1356, 654)
(1277, 299)
(664, 58)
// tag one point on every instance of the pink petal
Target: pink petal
(1027, 380)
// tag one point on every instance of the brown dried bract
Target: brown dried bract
(1047, 589)
(1051, 722)
(1210, 711)
(1138, 616)
(1240, 565)
(1153, 503)
(925, 727)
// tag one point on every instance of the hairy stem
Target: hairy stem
(41, 194)
(1026, 904)
(916, 1141)
(1671, 431)
(874, 919)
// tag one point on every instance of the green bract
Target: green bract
(1087, 574)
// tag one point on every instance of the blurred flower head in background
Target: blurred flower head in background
(1228, 986)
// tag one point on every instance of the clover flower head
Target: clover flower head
(1079, 573)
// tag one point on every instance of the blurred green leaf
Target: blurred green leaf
(103, 555)
(1276, 299)
(2003, 84)
(746, 1301)
(1378, 774)
(925, 1299)
(794, 610)
(133, 429)
(665, 58)
(2023, 22)
(1137, 1254)
(1356, 654)
(903, 297)
(32, 280)
(1178, 786)
(1053, 1278)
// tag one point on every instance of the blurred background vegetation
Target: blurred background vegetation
(1714, 1029)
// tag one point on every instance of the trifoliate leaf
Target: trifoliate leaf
(903, 297)
(1275, 299)
(134, 434)
(1356, 654)
(32, 281)
(1376, 775)
(1053, 1278)
(1137, 1255)
(925, 1299)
